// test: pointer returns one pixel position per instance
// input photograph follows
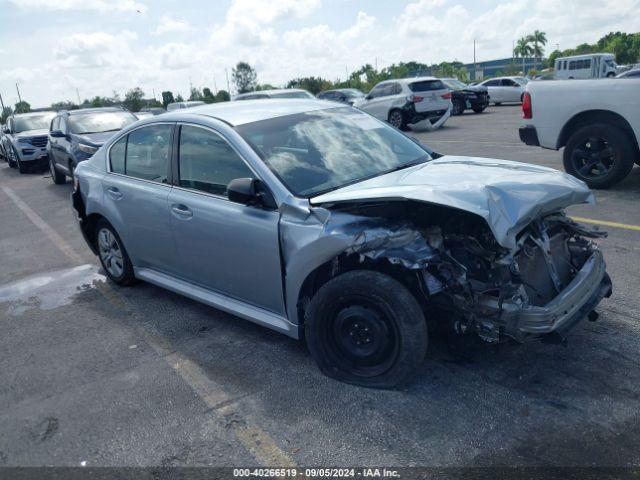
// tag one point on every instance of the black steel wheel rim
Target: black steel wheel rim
(361, 336)
(593, 158)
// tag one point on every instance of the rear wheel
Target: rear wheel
(112, 254)
(365, 328)
(458, 107)
(478, 109)
(58, 177)
(600, 155)
(396, 119)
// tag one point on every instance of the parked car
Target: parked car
(2, 152)
(505, 89)
(153, 110)
(75, 135)
(592, 65)
(140, 115)
(25, 140)
(633, 73)
(598, 126)
(465, 96)
(409, 101)
(324, 223)
(341, 95)
(278, 93)
(183, 105)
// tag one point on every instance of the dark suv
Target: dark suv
(76, 135)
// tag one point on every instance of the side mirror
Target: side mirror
(57, 134)
(250, 191)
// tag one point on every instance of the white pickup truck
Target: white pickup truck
(596, 121)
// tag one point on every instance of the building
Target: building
(490, 68)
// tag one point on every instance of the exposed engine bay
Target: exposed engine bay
(466, 277)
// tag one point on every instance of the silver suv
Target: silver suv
(324, 223)
(26, 139)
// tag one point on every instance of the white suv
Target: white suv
(409, 101)
(505, 89)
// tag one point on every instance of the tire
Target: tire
(10, 159)
(458, 107)
(497, 104)
(478, 109)
(22, 167)
(600, 155)
(611, 75)
(58, 177)
(396, 119)
(365, 328)
(112, 254)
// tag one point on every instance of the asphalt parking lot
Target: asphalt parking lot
(98, 375)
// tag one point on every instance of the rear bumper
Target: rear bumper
(590, 285)
(81, 216)
(529, 135)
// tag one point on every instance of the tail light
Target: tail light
(414, 98)
(446, 96)
(527, 111)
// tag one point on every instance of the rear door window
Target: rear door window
(426, 86)
(144, 153)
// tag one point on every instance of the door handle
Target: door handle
(181, 210)
(114, 193)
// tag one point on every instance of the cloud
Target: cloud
(100, 5)
(168, 24)
(248, 22)
(94, 50)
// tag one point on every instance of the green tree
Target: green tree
(314, 85)
(523, 50)
(539, 40)
(22, 107)
(133, 100)
(264, 86)
(179, 98)
(167, 98)
(222, 96)
(195, 95)
(207, 95)
(6, 111)
(244, 77)
(64, 105)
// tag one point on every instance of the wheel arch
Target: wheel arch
(343, 263)
(588, 117)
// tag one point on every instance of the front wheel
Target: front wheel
(458, 107)
(600, 155)
(22, 167)
(364, 327)
(58, 177)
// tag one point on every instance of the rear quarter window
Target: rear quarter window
(426, 86)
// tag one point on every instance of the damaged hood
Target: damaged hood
(508, 195)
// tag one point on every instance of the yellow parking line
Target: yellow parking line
(256, 441)
(606, 223)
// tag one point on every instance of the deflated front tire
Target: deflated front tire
(364, 327)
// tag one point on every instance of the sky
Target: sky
(59, 49)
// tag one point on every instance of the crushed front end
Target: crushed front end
(553, 278)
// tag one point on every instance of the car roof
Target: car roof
(94, 110)
(248, 111)
(33, 114)
(270, 92)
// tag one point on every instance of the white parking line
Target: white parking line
(37, 220)
(255, 440)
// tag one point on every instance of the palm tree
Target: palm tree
(539, 40)
(523, 49)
